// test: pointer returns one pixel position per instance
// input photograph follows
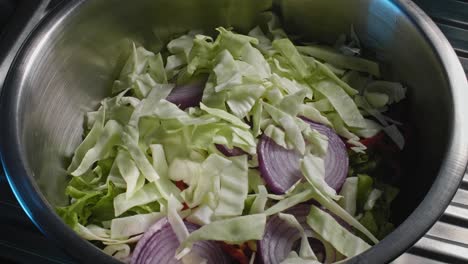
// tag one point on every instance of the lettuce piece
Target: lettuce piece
(232, 42)
(227, 71)
(165, 186)
(97, 233)
(148, 105)
(394, 91)
(147, 194)
(254, 57)
(141, 72)
(202, 215)
(129, 172)
(174, 64)
(90, 140)
(348, 62)
(80, 210)
(94, 207)
(372, 129)
(293, 133)
(182, 44)
(290, 201)
(289, 51)
(202, 54)
(340, 212)
(328, 73)
(349, 193)
(292, 103)
(258, 206)
(130, 141)
(344, 104)
(224, 116)
(156, 69)
(235, 230)
(203, 178)
(318, 143)
(109, 138)
(159, 160)
(255, 180)
(103, 210)
(291, 86)
(323, 105)
(234, 188)
(184, 170)
(264, 43)
(176, 222)
(135, 65)
(242, 98)
(339, 237)
(133, 225)
(377, 100)
(277, 135)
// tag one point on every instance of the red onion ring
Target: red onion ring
(336, 160)
(280, 167)
(228, 152)
(189, 94)
(280, 238)
(159, 244)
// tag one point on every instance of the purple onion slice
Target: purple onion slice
(189, 94)
(280, 238)
(228, 152)
(280, 167)
(159, 244)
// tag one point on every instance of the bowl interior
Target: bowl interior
(72, 68)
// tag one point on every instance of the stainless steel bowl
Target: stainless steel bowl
(67, 65)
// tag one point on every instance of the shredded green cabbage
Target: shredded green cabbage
(140, 148)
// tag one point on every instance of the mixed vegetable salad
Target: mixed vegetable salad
(238, 149)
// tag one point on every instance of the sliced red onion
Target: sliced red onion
(228, 152)
(280, 238)
(336, 160)
(280, 167)
(189, 94)
(159, 244)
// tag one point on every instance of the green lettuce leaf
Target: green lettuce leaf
(233, 230)
(289, 51)
(344, 104)
(339, 237)
(234, 188)
(109, 138)
(335, 58)
(349, 192)
(147, 194)
(133, 225)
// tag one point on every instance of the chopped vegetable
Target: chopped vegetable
(250, 148)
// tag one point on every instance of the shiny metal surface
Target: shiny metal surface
(447, 242)
(68, 64)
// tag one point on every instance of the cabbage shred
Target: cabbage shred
(138, 145)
